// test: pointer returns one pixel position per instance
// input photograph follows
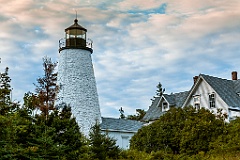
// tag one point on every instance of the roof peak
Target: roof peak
(76, 20)
(76, 26)
(205, 75)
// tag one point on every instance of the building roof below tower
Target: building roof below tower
(118, 125)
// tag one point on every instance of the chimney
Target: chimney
(234, 75)
(195, 79)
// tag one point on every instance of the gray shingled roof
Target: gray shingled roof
(226, 89)
(154, 111)
(176, 99)
(114, 124)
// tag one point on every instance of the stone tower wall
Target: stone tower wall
(78, 87)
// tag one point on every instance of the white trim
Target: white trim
(198, 102)
(214, 98)
(194, 87)
(164, 100)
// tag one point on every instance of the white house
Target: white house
(121, 130)
(207, 91)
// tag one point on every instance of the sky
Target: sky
(136, 44)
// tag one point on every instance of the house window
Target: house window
(212, 100)
(238, 93)
(196, 102)
(165, 105)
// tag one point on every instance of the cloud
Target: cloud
(127, 5)
(136, 44)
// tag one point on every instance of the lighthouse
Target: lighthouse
(76, 80)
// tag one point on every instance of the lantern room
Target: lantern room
(75, 35)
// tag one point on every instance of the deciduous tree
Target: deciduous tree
(46, 87)
(179, 130)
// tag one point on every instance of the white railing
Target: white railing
(62, 43)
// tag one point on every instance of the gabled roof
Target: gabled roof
(154, 111)
(176, 99)
(115, 124)
(226, 89)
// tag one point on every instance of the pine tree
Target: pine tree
(122, 116)
(101, 145)
(58, 136)
(140, 114)
(160, 90)
(6, 105)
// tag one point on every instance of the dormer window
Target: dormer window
(212, 100)
(238, 93)
(196, 101)
(165, 106)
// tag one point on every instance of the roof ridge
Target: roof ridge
(214, 77)
(119, 119)
(176, 93)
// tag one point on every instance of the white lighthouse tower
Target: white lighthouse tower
(76, 81)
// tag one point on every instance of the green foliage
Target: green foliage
(46, 87)
(13, 128)
(160, 90)
(229, 140)
(134, 155)
(140, 114)
(6, 105)
(26, 137)
(58, 136)
(5, 88)
(186, 131)
(122, 116)
(26, 133)
(101, 145)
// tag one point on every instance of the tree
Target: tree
(68, 134)
(14, 129)
(229, 140)
(42, 135)
(46, 87)
(58, 136)
(201, 128)
(122, 116)
(180, 130)
(140, 114)
(6, 105)
(160, 90)
(101, 145)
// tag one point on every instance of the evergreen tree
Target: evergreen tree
(58, 136)
(101, 145)
(140, 114)
(122, 116)
(68, 134)
(160, 90)
(14, 130)
(6, 105)
(24, 135)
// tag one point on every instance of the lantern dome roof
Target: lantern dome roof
(76, 26)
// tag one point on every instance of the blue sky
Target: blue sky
(136, 44)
